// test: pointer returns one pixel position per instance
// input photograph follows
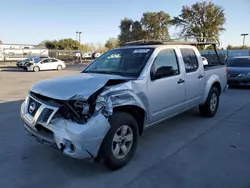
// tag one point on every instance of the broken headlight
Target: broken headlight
(82, 107)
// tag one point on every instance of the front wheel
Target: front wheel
(59, 67)
(211, 105)
(120, 143)
(36, 69)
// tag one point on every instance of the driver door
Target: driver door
(166, 94)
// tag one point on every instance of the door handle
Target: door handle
(200, 76)
(180, 81)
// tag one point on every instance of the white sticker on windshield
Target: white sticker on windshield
(141, 51)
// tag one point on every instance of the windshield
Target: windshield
(124, 62)
(239, 62)
(36, 60)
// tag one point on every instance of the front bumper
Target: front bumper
(28, 68)
(78, 141)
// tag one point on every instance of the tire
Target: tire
(209, 109)
(111, 150)
(59, 67)
(36, 69)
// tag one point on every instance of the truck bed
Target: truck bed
(213, 66)
(216, 70)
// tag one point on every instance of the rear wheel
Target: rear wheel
(120, 143)
(59, 67)
(211, 105)
(36, 69)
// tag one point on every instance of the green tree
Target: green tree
(155, 25)
(49, 44)
(67, 44)
(137, 32)
(112, 43)
(63, 44)
(201, 20)
(125, 30)
(1, 42)
(231, 47)
(83, 47)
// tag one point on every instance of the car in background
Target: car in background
(204, 60)
(239, 71)
(45, 64)
(96, 55)
(22, 63)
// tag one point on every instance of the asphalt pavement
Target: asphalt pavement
(186, 151)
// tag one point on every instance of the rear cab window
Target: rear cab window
(190, 60)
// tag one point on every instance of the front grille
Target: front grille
(45, 115)
(33, 106)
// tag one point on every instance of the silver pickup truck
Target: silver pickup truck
(101, 112)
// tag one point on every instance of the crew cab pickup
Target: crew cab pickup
(101, 112)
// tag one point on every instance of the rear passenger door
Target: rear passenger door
(194, 77)
(166, 94)
(54, 63)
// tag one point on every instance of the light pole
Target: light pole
(79, 33)
(244, 36)
(76, 34)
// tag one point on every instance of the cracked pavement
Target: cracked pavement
(185, 151)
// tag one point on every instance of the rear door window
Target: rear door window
(190, 60)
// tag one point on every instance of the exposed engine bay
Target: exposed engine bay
(80, 109)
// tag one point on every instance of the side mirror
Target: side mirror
(163, 72)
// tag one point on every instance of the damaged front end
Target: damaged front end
(76, 126)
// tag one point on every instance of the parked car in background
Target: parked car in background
(204, 60)
(239, 71)
(22, 63)
(101, 112)
(45, 64)
(96, 55)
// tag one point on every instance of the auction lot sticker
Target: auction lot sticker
(141, 51)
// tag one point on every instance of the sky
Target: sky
(32, 21)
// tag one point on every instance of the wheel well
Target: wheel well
(217, 85)
(137, 112)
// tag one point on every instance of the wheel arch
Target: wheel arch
(137, 112)
(213, 81)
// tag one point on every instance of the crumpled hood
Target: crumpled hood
(74, 86)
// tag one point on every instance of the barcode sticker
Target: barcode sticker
(141, 51)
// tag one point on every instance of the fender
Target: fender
(125, 94)
(212, 79)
